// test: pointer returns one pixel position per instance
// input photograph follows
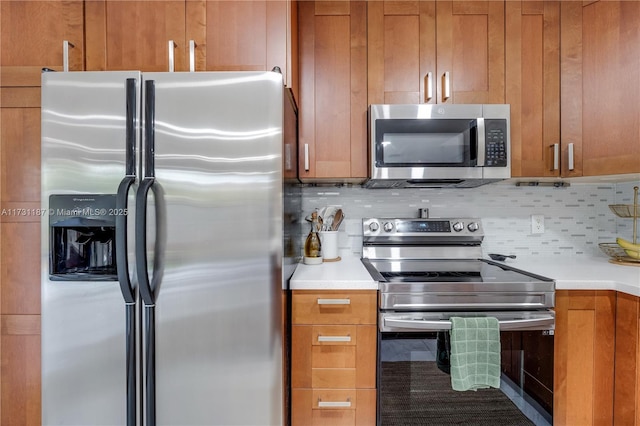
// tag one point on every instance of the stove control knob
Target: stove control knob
(373, 226)
(473, 227)
(388, 226)
(458, 226)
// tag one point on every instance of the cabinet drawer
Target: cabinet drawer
(352, 407)
(333, 378)
(334, 307)
(333, 364)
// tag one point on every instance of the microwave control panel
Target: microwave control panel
(495, 142)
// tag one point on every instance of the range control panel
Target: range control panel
(441, 228)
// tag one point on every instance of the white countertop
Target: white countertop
(578, 273)
(346, 274)
(570, 273)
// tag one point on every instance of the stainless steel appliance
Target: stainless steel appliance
(425, 146)
(432, 269)
(162, 247)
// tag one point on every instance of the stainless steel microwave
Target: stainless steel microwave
(433, 146)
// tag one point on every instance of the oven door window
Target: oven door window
(415, 383)
(426, 143)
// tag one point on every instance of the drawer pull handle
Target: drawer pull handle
(334, 301)
(334, 338)
(345, 404)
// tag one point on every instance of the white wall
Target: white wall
(577, 218)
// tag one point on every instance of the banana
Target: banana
(632, 250)
(633, 254)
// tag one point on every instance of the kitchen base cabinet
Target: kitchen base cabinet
(626, 409)
(333, 358)
(361, 410)
(584, 357)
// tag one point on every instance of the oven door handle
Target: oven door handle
(425, 306)
(538, 323)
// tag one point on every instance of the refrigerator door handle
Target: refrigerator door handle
(149, 287)
(149, 128)
(122, 261)
(147, 183)
(141, 241)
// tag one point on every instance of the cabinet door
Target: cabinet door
(135, 35)
(333, 91)
(244, 35)
(533, 85)
(20, 250)
(584, 358)
(31, 38)
(627, 380)
(600, 87)
(443, 51)
(470, 51)
(401, 42)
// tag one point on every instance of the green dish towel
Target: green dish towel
(475, 353)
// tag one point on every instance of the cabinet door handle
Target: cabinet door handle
(334, 338)
(334, 404)
(428, 90)
(306, 157)
(65, 55)
(172, 48)
(556, 156)
(571, 158)
(447, 86)
(334, 302)
(192, 55)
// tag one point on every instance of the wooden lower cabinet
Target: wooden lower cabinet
(626, 409)
(308, 412)
(333, 358)
(584, 346)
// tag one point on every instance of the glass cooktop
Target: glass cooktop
(445, 270)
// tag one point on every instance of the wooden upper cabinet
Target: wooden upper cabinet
(244, 36)
(533, 85)
(31, 38)
(600, 58)
(436, 52)
(402, 51)
(134, 35)
(228, 35)
(333, 90)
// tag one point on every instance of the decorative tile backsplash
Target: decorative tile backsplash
(576, 218)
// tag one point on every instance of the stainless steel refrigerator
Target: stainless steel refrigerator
(163, 247)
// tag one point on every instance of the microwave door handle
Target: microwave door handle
(481, 143)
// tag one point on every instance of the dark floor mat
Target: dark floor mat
(418, 393)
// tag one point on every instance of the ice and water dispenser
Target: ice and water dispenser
(82, 231)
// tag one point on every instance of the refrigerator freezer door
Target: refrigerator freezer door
(215, 239)
(83, 322)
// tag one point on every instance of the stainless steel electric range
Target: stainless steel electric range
(430, 269)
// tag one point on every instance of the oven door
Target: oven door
(413, 372)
